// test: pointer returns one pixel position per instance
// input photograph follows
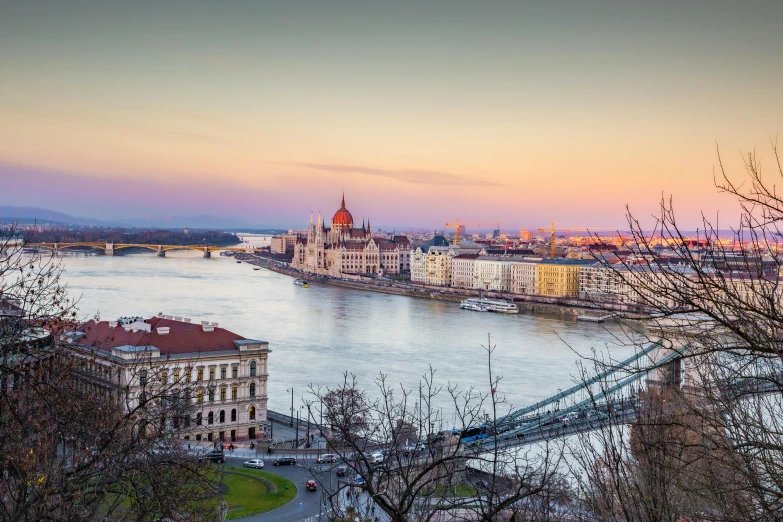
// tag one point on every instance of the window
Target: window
(199, 396)
(233, 392)
(188, 374)
(251, 413)
(200, 376)
(223, 372)
(211, 374)
(212, 394)
(234, 372)
(252, 368)
(234, 415)
(222, 416)
(211, 418)
(176, 375)
(164, 377)
(143, 377)
(223, 393)
(252, 389)
(198, 419)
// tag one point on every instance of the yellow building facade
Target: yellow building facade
(559, 277)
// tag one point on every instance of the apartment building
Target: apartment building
(559, 277)
(523, 275)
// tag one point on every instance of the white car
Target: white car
(254, 463)
(376, 458)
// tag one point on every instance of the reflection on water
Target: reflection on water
(319, 332)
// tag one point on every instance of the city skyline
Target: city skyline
(521, 115)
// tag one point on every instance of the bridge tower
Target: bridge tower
(161, 252)
(669, 375)
(207, 253)
(109, 251)
(54, 250)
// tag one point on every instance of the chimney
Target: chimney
(178, 318)
(204, 322)
(162, 330)
(208, 328)
(186, 319)
(113, 324)
(214, 324)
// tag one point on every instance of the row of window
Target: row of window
(251, 415)
(223, 390)
(164, 374)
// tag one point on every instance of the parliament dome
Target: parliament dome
(342, 218)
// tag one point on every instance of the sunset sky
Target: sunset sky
(421, 112)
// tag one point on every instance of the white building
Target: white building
(523, 275)
(493, 273)
(222, 373)
(463, 271)
(431, 263)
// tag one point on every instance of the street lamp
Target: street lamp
(292, 406)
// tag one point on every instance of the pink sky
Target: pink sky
(516, 115)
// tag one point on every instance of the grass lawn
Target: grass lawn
(246, 496)
(457, 490)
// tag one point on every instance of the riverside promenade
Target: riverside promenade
(568, 308)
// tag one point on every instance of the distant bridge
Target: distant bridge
(109, 248)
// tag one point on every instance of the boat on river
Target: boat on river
(490, 305)
(475, 307)
(300, 282)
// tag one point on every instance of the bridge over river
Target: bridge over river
(110, 249)
(615, 396)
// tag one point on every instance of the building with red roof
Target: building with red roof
(223, 374)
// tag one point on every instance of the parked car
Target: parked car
(376, 459)
(341, 471)
(214, 456)
(327, 458)
(310, 485)
(284, 461)
(254, 463)
(359, 481)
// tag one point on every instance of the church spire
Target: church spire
(368, 226)
(343, 203)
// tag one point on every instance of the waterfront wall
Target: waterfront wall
(565, 308)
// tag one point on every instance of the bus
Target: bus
(474, 433)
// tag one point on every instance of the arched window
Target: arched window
(252, 368)
(211, 418)
(251, 413)
(198, 419)
(222, 416)
(252, 389)
(234, 415)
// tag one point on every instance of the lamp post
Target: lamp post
(292, 406)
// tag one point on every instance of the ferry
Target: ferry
(473, 306)
(300, 282)
(256, 268)
(491, 305)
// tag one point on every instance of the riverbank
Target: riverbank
(561, 308)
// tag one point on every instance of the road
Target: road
(309, 502)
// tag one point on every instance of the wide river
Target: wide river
(317, 333)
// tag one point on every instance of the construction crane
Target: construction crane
(553, 230)
(456, 225)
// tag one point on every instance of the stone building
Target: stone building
(223, 374)
(343, 249)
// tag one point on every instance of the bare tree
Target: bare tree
(403, 462)
(75, 445)
(708, 446)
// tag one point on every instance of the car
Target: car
(359, 481)
(341, 471)
(327, 458)
(214, 456)
(254, 463)
(310, 485)
(376, 459)
(285, 461)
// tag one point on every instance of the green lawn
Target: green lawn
(246, 496)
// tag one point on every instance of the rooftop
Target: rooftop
(170, 336)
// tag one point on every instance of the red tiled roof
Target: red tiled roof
(182, 337)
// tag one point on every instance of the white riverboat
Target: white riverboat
(473, 306)
(490, 305)
(300, 282)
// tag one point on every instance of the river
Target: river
(317, 333)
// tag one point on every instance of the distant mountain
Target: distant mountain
(42, 215)
(213, 222)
